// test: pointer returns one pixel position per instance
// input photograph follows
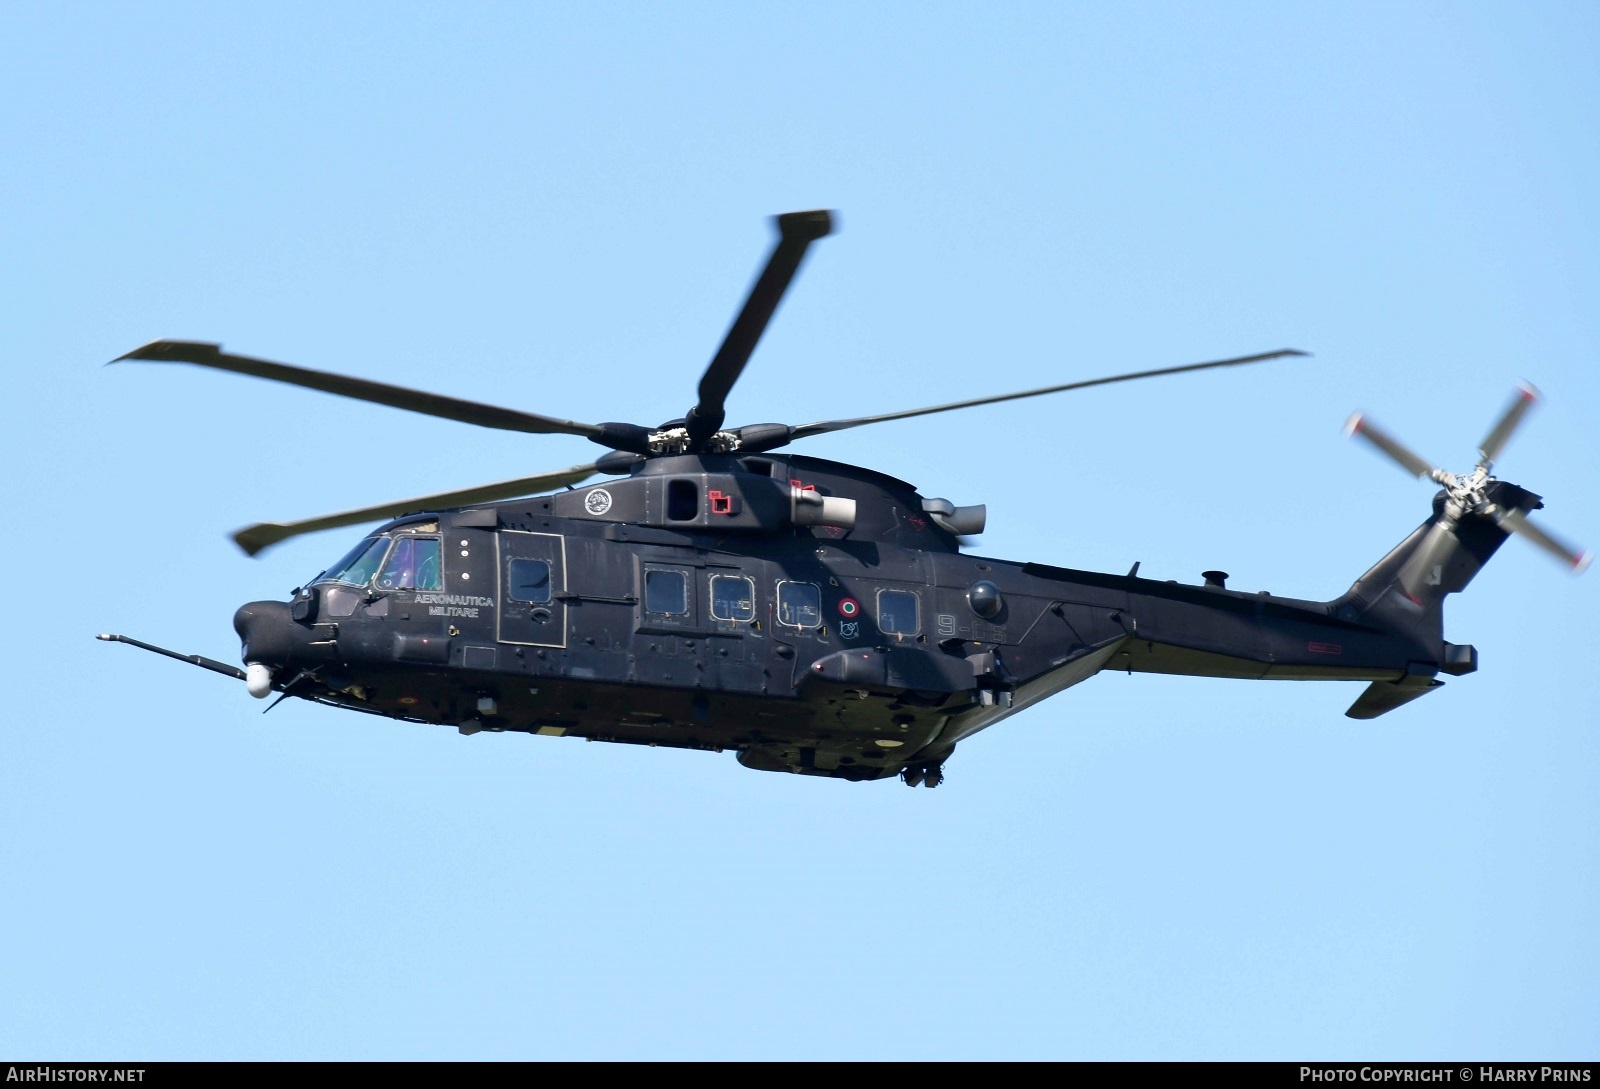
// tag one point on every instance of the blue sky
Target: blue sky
(559, 208)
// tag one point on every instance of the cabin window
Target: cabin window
(799, 605)
(359, 563)
(412, 565)
(897, 612)
(733, 597)
(529, 580)
(666, 592)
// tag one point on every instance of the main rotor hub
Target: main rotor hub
(677, 440)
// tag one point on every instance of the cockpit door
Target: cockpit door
(533, 584)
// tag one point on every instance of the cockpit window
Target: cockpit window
(413, 565)
(359, 563)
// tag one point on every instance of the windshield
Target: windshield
(358, 564)
(413, 565)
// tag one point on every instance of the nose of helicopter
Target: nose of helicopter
(266, 632)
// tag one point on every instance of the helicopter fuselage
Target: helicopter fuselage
(702, 603)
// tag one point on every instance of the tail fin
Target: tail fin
(1472, 517)
(1404, 593)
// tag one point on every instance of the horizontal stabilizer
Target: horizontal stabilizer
(1382, 697)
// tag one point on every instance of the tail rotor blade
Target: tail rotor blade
(1500, 434)
(1358, 424)
(1516, 522)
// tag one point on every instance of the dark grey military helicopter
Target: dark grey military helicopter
(815, 617)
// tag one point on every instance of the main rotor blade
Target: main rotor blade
(1516, 522)
(362, 389)
(796, 232)
(1489, 450)
(254, 539)
(824, 426)
(1358, 424)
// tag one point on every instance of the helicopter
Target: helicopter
(815, 617)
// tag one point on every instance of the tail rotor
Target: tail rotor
(1479, 492)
